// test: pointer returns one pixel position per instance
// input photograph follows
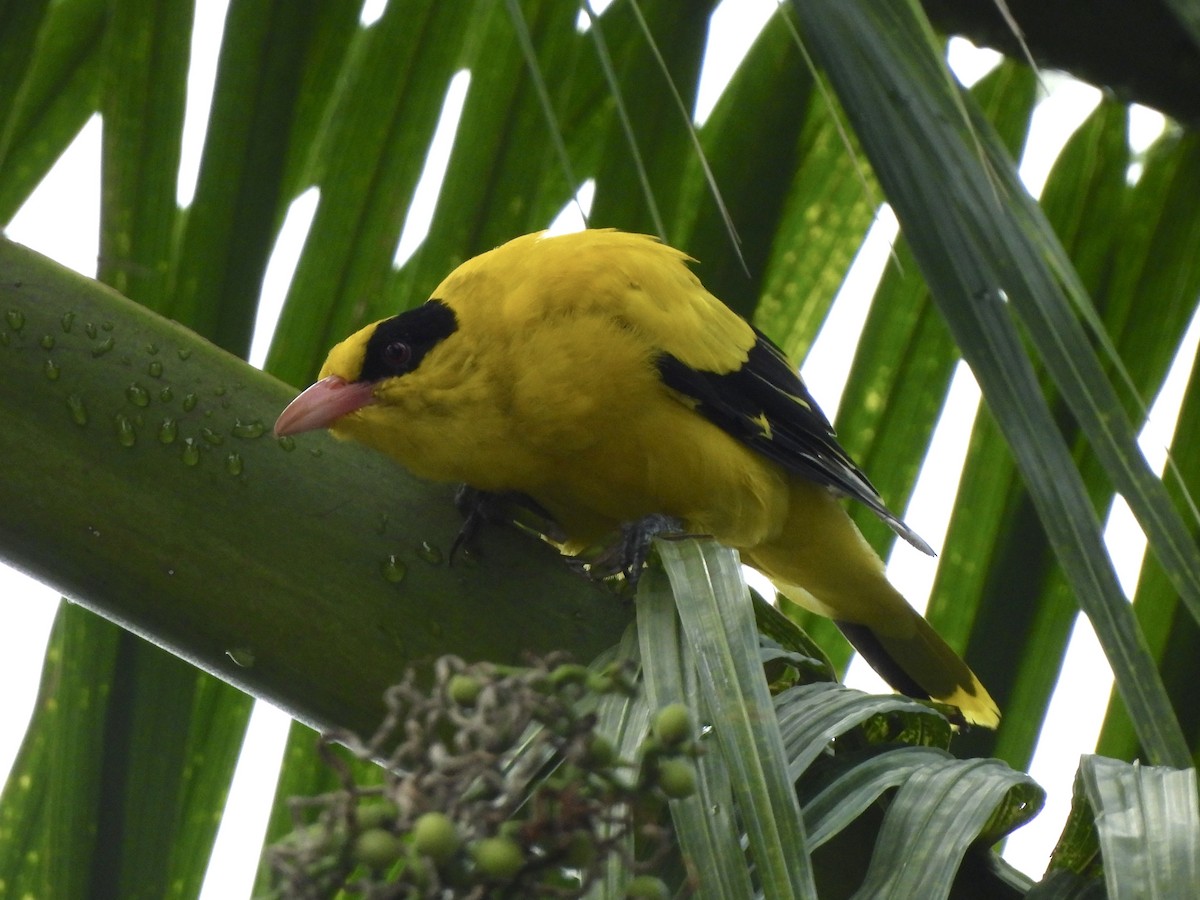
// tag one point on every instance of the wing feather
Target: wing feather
(765, 405)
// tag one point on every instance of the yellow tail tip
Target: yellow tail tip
(977, 708)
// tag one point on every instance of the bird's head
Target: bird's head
(359, 370)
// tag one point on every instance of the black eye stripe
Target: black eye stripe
(398, 344)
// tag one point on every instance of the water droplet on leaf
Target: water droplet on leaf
(79, 414)
(430, 553)
(248, 430)
(190, 453)
(392, 569)
(242, 656)
(126, 435)
(137, 395)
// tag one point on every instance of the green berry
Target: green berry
(600, 683)
(600, 751)
(673, 724)
(677, 778)
(498, 857)
(377, 848)
(647, 887)
(464, 689)
(376, 815)
(568, 673)
(435, 835)
(620, 677)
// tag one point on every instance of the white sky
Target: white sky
(26, 609)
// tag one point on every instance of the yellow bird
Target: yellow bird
(594, 373)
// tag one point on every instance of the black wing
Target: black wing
(766, 406)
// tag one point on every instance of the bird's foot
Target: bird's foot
(482, 508)
(627, 555)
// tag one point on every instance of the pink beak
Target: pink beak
(322, 404)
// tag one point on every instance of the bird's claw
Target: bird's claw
(482, 508)
(471, 503)
(628, 554)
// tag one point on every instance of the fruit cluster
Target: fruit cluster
(495, 782)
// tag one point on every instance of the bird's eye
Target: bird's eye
(397, 354)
